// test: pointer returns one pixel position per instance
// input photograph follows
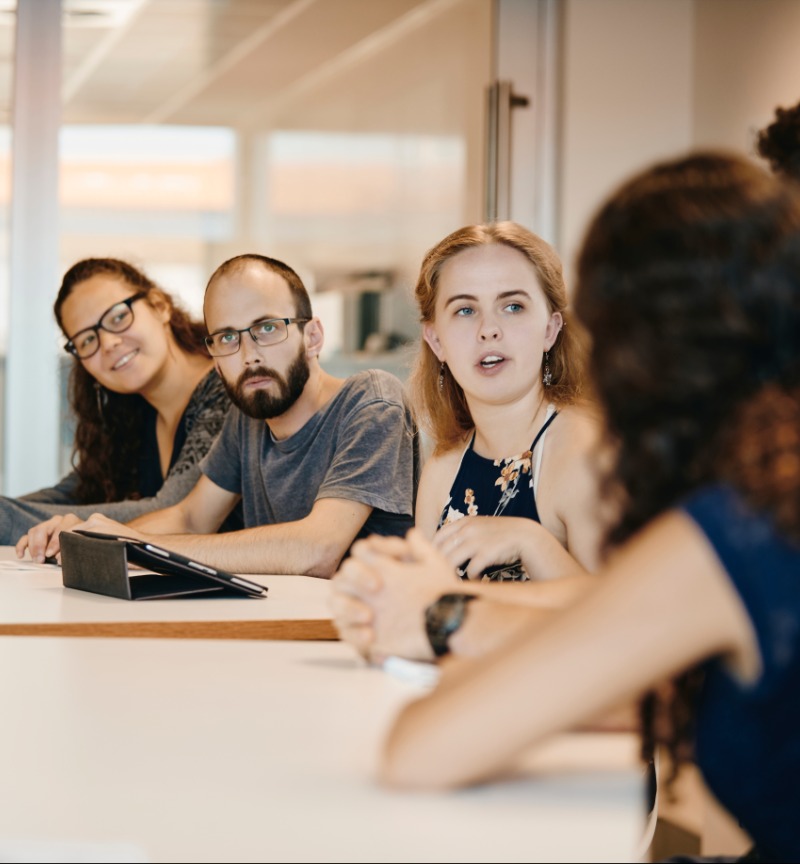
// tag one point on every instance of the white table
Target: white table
(34, 602)
(195, 750)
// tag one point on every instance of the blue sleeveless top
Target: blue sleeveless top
(495, 487)
(748, 735)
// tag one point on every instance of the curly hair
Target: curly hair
(688, 285)
(779, 143)
(444, 413)
(108, 433)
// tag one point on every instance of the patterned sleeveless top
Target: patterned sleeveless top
(497, 487)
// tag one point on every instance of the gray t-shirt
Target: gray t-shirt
(361, 446)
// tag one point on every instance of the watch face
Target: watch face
(440, 614)
(443, 618)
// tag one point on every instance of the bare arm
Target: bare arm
(381, 591)
(436, 478)
(666, 594)
(569, 498)
(202, 511)
(378, 603)
(566, 542)
(312, 546)
(487, 540)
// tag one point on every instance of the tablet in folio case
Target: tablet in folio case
(99, 563)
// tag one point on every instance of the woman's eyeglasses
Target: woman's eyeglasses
(116, 319)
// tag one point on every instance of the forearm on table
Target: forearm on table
(623, 718)
(545, 558)
(170, 520)
(550, 595)
(290, 547)
(488, 625)
(508, 608)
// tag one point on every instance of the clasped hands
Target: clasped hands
(381, 591)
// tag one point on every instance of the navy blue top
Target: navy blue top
(150, 477)
(492, 487)
(748, 737)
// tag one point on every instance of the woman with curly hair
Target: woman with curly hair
(147, 402)
(509, 493)
(689, 285)
(779, 142)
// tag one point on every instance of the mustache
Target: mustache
(263, 372)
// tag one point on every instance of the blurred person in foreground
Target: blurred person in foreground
(779, 143)
(689, 286)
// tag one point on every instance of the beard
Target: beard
(265, 404)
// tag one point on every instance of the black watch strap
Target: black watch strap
(443, 617)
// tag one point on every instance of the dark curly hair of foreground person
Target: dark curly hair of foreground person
(779, 143)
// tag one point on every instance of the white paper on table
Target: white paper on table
(413, 671)
(70, 852)
(28, 565)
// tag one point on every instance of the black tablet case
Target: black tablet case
(101, 567)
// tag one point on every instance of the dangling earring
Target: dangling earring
(441, 377)
(101, 394)
(547, 376)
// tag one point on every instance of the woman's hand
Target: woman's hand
(482, 541)
(381, 591)
(42, 540)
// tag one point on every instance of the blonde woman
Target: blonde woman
(509, 493)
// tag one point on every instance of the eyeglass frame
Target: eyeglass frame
(209, 340)
(70, 346)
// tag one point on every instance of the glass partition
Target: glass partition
(344, 137)
(7, 11)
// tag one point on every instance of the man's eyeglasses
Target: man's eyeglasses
(116, 319)
(270, 331)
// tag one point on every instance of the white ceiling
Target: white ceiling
(226, 62)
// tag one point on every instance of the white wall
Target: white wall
(647, 79)
(747, 61)
(627, 99)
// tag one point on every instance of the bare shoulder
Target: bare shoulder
(577, 431)
(439, 471)
(568, 497)
(444, 465)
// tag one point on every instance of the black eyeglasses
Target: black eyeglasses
(116, 319)
(270, 331)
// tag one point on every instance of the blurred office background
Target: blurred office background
(342, 136)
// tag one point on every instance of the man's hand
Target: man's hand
(381, 591)
(103, 525)
(42, 540)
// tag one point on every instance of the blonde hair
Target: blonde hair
(444, 413)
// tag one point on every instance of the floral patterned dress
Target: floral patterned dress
(495, 487)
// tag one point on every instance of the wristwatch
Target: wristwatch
(443, 617)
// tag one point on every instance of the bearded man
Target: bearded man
(316, 461)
